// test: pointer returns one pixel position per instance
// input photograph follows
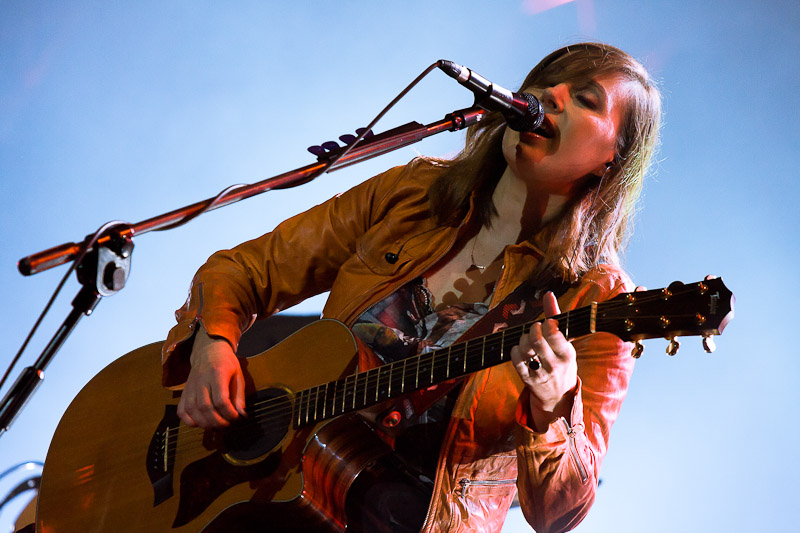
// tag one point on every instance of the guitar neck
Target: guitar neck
(365, 389)
(702, 308)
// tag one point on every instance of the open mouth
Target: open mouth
(546, 130)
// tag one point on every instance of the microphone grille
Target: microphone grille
(532, 119)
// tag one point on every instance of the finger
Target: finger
(550, 304)
(518, 359)
(540, 347)
(237, 393)
(221, 400)
(562, 349)
(640, 288)
(522, 352)
(205, 413)
(183, 415)
(522, 363)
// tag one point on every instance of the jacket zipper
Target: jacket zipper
(465, 483)
(574, 451)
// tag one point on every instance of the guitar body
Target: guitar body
(120, 459)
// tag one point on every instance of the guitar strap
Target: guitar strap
(523, 305)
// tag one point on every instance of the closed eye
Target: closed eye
(587, 101)
(591, 95)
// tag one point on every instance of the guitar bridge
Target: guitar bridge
(161, 455)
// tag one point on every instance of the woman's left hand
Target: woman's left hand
(552, 384)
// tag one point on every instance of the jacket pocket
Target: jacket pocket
(381, 249)
(483, 490)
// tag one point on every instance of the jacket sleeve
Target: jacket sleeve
(559, 469)
(299, 259)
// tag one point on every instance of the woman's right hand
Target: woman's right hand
(214, 393)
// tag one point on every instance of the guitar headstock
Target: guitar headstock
(703, 308)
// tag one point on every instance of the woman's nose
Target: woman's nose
(553, 98)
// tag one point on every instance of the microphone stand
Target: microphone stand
(104, 269)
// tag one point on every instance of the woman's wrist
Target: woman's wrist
(541, 416)
(205, 346)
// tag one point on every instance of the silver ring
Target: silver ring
(534, 364)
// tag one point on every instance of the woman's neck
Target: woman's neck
(523, 209)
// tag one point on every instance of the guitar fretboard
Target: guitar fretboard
(391, 380)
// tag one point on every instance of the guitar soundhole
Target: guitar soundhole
(269, 416)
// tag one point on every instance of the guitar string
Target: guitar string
(575, 321)
(285, 407)
(312, 398)
(281, 416)
(289, 406)
(468, 351)
(373, 377)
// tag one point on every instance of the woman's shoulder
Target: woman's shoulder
(426, 167)
(414, 178)
(421, 170)
(610, 279)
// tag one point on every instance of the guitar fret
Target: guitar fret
(366, 381)
(303, 405)
(344, 392)
(340, 389)
(495, 348)
(297, 407)
(325, 401)
(317, 399)
(447, 365)
(403, 384)
(312, 396)
(309, 396)
(387, 373)
(316, 403)
(333, 398)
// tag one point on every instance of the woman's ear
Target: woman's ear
(602, 169)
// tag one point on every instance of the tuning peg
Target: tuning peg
(347, 138)
(673, 346)
(708, 343)
(318, 151)
(638, 350)
(369, 134)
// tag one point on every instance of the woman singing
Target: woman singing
(416, 256)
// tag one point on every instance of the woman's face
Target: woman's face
(577, 138)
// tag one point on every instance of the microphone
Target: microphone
(522, 111)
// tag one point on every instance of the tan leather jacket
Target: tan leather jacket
(488, 453)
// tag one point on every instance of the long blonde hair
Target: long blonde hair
(596, 225)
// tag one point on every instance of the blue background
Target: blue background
(117, 110)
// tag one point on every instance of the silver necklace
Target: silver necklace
(472, 256)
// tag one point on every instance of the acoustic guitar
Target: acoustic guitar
(121, 460)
